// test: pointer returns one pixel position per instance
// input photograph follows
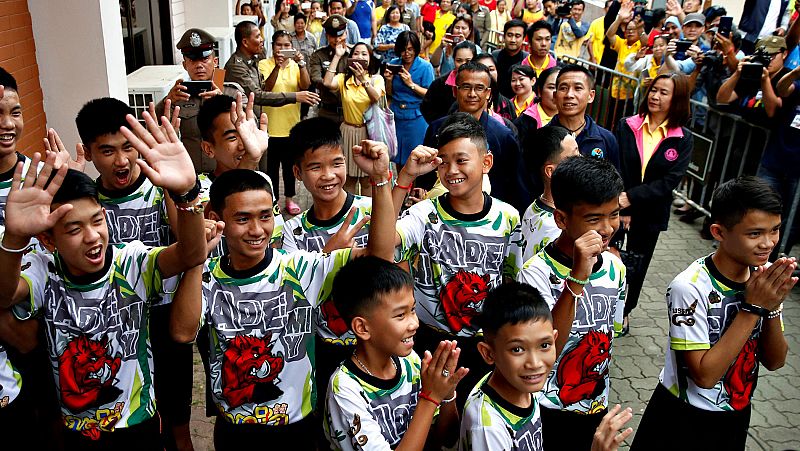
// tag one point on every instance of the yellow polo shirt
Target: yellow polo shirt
(355, 99)
(622, 88)
(650, 140)
(524, 106)
(531, 17)
(597, 32)
(441, 24)
(282, 118)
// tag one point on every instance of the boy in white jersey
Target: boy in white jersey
(383, 396)
(553, 144)
(724, 319)
(94, 297)
(459, 244)
(502, 411)
(335, 220)
(584, 286)
(258, 303)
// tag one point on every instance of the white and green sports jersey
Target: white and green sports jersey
(137, 213)
(456, 258)
(205, 196)
(261, 333)
(491, 423)
(364, 413)
(538, 228)
(307, 233)
(701, 304)
(579, 381)
(5, 183)
(10, 380)
(97, 335)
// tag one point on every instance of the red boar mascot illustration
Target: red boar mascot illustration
(581, 372)
(332, 317)
(87, 373)
(462, 298)
(739, 380)
(249, 371)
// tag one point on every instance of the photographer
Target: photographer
(681, 59)
(572, 33)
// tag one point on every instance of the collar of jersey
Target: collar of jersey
(310, 220)
(451, 216)
(543, 206)
(378, 387)
(561, 263)
(514, 415)
(123, 194)
(86, 282)
(722, 284)
(6, 176)
(226, 274)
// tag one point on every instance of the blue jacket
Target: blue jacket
(595, 141)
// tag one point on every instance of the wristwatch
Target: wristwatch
(754, 309)
(188, 196)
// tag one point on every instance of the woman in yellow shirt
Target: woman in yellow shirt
(497, 20)
(522, 80)
(282, 20)
(283, 73)
(358, 88)
(529, 11)
(444, 18)
(315, 19)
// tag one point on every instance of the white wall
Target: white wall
(80, 55)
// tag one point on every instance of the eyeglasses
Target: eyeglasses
(479, 89)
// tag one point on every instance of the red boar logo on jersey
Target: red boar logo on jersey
(739, 380)
(332, 317)
(462, 298)
(86, 374)
(582, 370)
(249, 371)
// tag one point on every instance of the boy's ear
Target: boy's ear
(548, 170)
(46, 238)
(488, 162)
(360, 328)
(213, 215)
(208, 148)
(87, 152)
(717, 231)
(486, 352)
(560, 216)
(296, 172)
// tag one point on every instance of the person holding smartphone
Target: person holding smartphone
(284, 71)
(387, 34)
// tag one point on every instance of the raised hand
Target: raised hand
(440, 373)
(213, 233)
(584, 255)
(28, 204)
(340, 50)
(166, 162)
(344, 238)
(421, 161)
(607, 436)
(214, 92)
(254, 136)
(53, 144)
(767, 287)
(372, 157)
(172, 114)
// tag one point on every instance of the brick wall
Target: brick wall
(18, 56)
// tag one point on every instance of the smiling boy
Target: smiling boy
(95, 297)
(584, 285)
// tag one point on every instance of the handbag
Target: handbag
(379, 120)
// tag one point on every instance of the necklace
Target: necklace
(364, 367)
(547, 202)
(574, 132)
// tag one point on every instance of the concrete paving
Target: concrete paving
(639, 357)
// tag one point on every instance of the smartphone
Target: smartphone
(680, 49)
(360, 62)
(724, 27)
(288, 53)
(194, 88)
(394, 68)
(638, 11)
(320, 14)
(305, 5)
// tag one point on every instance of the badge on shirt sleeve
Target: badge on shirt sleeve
(597, 152)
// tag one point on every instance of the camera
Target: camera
(712, 58)
(761, 56)
(564, 9)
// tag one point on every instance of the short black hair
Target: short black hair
(243, 30)
(8, 81)
(514, 23)
(536, 26)
(210, 110)
(462, 125)
(469, 45)
(512, 303)
(543, 146)
(405, 38)
(235, 181)
(576, 68)
(299, 16)
(524, 70)
(484, 56)
(472, 66)
(359, 285)
(587, 180)
(577, 2)
(538, 87)
(735, 198)
(100, 117)
(428, 26)
(311, 134)
(335, 1)
(76, 185)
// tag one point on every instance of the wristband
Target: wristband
(574, 295)
(576, 280)
(407, 188)
(194, 209)
(13, 251)
(385, 182)
(754, 309)
(445, 401)
(187, 197)
(776, 313)
(427, 397)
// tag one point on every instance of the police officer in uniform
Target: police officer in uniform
(335, 28)
(197, 47)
